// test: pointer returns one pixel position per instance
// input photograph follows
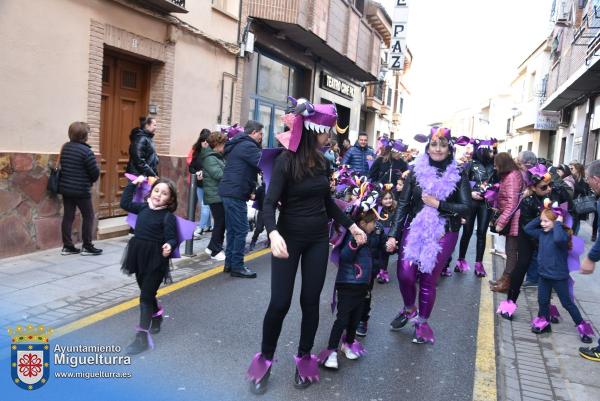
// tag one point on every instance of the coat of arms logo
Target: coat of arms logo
(30, 356)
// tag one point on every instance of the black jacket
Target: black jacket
(196, 165)
(454, 208)
(387, 172)
(143, 159)
(242, 155)
(79, 170)
(481, 174)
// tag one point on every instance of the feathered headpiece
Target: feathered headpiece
(315, 117)
(442, 132)
(232, 131)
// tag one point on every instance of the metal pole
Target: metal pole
(191, 214)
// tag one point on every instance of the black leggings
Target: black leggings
(525, 248)
(283, 274)
(366, 309)
(148, 283)
(480, 211)
(349, 309)
(260, 225)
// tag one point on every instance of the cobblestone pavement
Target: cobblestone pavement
(548, 366)
(48, 288)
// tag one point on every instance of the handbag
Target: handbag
(584, 204)
(496, 213)
(54, 177)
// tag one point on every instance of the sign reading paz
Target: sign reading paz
(398, 45)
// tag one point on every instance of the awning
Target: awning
(319, 48)
(584, 81)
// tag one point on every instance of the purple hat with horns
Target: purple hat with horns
(442, 132)
(484, 143)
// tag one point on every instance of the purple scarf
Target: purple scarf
(427, 228)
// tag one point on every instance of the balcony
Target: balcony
(374, 97)
(168, 6)
(331, 30)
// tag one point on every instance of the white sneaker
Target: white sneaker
(348, 352)
(219, 256)
(197, 233)
(331, 362)
(208, 252)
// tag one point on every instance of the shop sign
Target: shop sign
(336, 85)
(398, 46)
(547, 120)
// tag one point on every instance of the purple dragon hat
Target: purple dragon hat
(442, 132)
(315, 117)
(484, 143)
(232, 131)
(396, 145)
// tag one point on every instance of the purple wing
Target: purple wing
(574, 254)
(266, 163)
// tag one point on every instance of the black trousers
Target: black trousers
(525, 248)
(260, 226)
(313, 256)
(366, 309)
(218, 234)
(479, 211)
(561, 287)
(87, 216)
(148, 283)
(349, 312)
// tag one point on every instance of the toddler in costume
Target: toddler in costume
(388, 208)
(555, 242)
(351, 286)
(148, 252)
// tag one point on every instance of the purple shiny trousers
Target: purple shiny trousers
(408, 274)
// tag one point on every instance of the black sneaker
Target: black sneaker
(70, 250)
(593, 354)
(244, 272)
(90, 250)
(362, 329)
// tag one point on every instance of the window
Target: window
(520, 148)
(508, 126)
(273, 79)
(401, 107)
(529, 145)
(359, 5)
(389, 97)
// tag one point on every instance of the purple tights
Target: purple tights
(408, 274)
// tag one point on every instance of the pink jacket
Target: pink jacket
(509, 194)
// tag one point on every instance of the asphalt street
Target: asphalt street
(213, 328)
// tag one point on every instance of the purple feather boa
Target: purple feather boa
(427, 228)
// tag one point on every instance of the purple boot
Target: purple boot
(157, 319)
(383, 277)
(480, 270)
(507, 309)
(446, 272)
(540, 325)
(461, 266)
(259, 373)
(586, 332)
(423, 333)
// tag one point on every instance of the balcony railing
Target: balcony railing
(168, 6)
(378, 92)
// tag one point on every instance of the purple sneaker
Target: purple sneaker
(479, 269)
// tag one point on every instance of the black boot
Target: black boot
(157, 319)
(299, 382)
(139, 345)
(261, 386)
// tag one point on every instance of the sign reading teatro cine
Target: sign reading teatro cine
(337, 86)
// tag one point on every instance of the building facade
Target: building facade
(321, 50)
(573, 83)
(107, 62)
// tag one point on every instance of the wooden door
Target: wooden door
(124, 100)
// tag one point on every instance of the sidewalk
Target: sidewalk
(48, 288)
(548, 366)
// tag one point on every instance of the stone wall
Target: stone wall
(31, 217)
